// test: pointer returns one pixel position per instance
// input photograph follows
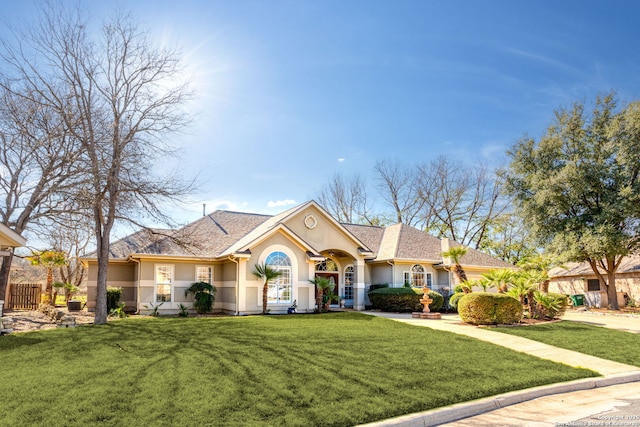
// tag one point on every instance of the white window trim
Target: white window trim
(344, 278)
(155, 283)
(428, 276)
(294, 272)
(210, 267)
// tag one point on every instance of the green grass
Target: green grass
(610, 344)
(331, 369)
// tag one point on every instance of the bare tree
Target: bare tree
(459, 202)
(120, 98)
(72, 234)
(398, 184)
(346, 199)
(38, 162)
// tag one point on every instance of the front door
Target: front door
(333, 279)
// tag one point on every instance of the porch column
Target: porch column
(358, 287)
(241, 286)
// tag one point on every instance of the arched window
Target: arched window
(349, 278)
(279, 288)
(417, 277)
(326, 265)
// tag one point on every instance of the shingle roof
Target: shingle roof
(224, 232)
(630, 264)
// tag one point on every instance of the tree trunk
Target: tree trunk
(544, 287)
(101, 282)
(265, 297)
(49, 289)
(611, 290)
(4, 273)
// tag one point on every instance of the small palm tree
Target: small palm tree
(501, 279)
(203, 295)
(49, 259)
(266, 274)
(456, 253)
(323, 285)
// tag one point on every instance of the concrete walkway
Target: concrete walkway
(543, 406)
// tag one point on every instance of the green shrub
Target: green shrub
(438, 301)
(403, 299)
(458, 289)
(486, 308)
(550, 306)
(113, 298)
(204, 295)
(378, 286)
(453, 301)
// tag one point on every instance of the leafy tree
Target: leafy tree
(455, 254)
(49, 260)
(508, 238)
(266, 273)
(578, 185)
(118, 98)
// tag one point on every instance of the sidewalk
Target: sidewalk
(619, 386)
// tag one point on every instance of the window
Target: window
(417, 277)
(203, 274)
(349, 277)
(326, 265)
(279, 288)
(164, 282)
(593, 285)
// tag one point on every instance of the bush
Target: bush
(486, 308)
(378, 286)
(458, 289)
(113, 298)
(402, 299)
(550, 306)
(453, 301)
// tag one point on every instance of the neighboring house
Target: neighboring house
(579, 279)
(9, 239)
(222, 248)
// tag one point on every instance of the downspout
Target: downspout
(233, 259)
(393, 273)
(137, 285)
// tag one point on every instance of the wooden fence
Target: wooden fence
(24, 296)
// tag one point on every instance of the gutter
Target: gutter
(235, 260)
(137, 284)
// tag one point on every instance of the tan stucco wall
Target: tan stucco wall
(628, 283)
(119, 275)
(324, 236)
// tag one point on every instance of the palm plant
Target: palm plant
(323, 285)
(524, 284)
(203, 295)
(501, 279)
(456, 253)
(48, 259)
(266, 274)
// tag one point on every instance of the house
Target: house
(579, 279)
(156, 266)
(9, 239)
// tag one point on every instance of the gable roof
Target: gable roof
(225, 233)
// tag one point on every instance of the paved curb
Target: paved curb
(459, 411)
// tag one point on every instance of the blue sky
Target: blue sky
(291, 92)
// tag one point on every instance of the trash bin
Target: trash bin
(74, 305)
(577, 299)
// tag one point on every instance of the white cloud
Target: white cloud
(278, 203)
(341, 159)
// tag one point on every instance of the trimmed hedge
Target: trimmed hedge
(403, 299)
(487, 308)
(455, 298)
(113, 298)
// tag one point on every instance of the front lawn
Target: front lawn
(332, 369)
(606, 343)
